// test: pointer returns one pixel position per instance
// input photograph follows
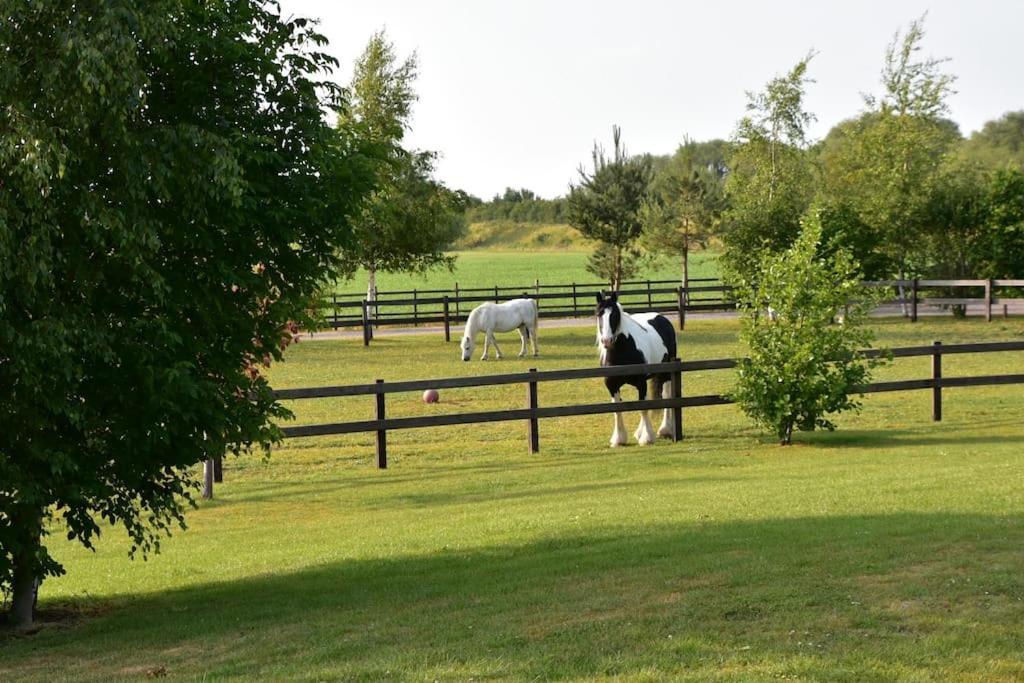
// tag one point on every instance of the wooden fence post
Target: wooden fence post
(649, 304)
(496, 294)
(988, 300)
(536, 285)
(367, 334)
(447, 321)
(575, 310)
(677, 412)
(415, 308)
(936, 379)
(681, 304)
(532, 428)
(208, 479)
(913, 301)
(382, 434)
(334, 310)
(458, 312)
(218, 470)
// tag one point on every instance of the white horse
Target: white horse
(489, 318)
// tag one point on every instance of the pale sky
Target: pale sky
(515, 93)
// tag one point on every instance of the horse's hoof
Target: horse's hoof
(645, 441)
(665, 432)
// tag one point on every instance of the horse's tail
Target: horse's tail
(536, 313)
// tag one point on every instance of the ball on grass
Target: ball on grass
(431, 396)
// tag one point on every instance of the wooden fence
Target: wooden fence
(573, 300)
(533, 411)
(451, 307)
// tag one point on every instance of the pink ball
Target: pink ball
(431, 396)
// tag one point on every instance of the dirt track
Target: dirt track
(974, 310)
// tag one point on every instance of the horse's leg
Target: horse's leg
(523, 334)
(644, 432)
(619, 432)
(487, 342)
(666, 421)
(533, 338)
(494, 343)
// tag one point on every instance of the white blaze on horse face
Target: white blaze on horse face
(605, 334)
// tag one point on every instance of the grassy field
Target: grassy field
(889, 550)
(517, 268)
(515, 254)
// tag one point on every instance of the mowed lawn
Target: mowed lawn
(889, 550)
(517, 268)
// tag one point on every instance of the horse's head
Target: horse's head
(609, 318)
(467, 346)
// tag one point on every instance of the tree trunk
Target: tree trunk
(686, 268)
(787, 435)
(617, 274)
(208, 479)
(371, 289)
(902, 291)
(25, 579)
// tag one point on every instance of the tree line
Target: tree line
(897, 185)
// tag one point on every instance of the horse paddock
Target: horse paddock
(890, 549)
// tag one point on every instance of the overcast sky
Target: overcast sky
(515, 93)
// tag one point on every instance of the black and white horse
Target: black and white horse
(626, 339)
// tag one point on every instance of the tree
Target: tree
(411, 219)
(171, 200)
(616, 265)
(771, 181)
(894, 153)
(1000, 249)
(684, 206)
(802, 366)
(999, 143)
(605, 206)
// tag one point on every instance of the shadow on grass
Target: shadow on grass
(844, 598)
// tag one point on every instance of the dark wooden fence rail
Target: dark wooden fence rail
(451, 307)
(533, 412)
(415, 307)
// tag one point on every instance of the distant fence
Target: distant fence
(533, 412)
(451, 307)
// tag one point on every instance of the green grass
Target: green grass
(486, 268)
(889, 550)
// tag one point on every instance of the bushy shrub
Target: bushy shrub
(803, 318)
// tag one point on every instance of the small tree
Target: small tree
(803, 365)
(683, 208)
(412, 219)
(892, 156)
(616, 265)
(605, 206)
(771, 181)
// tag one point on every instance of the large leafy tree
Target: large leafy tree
(771, 180)
(684, 206)
(171, 199)
(605, 206)
(411, 219)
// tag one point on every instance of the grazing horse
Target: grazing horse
(489, 318)
(627, 339)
